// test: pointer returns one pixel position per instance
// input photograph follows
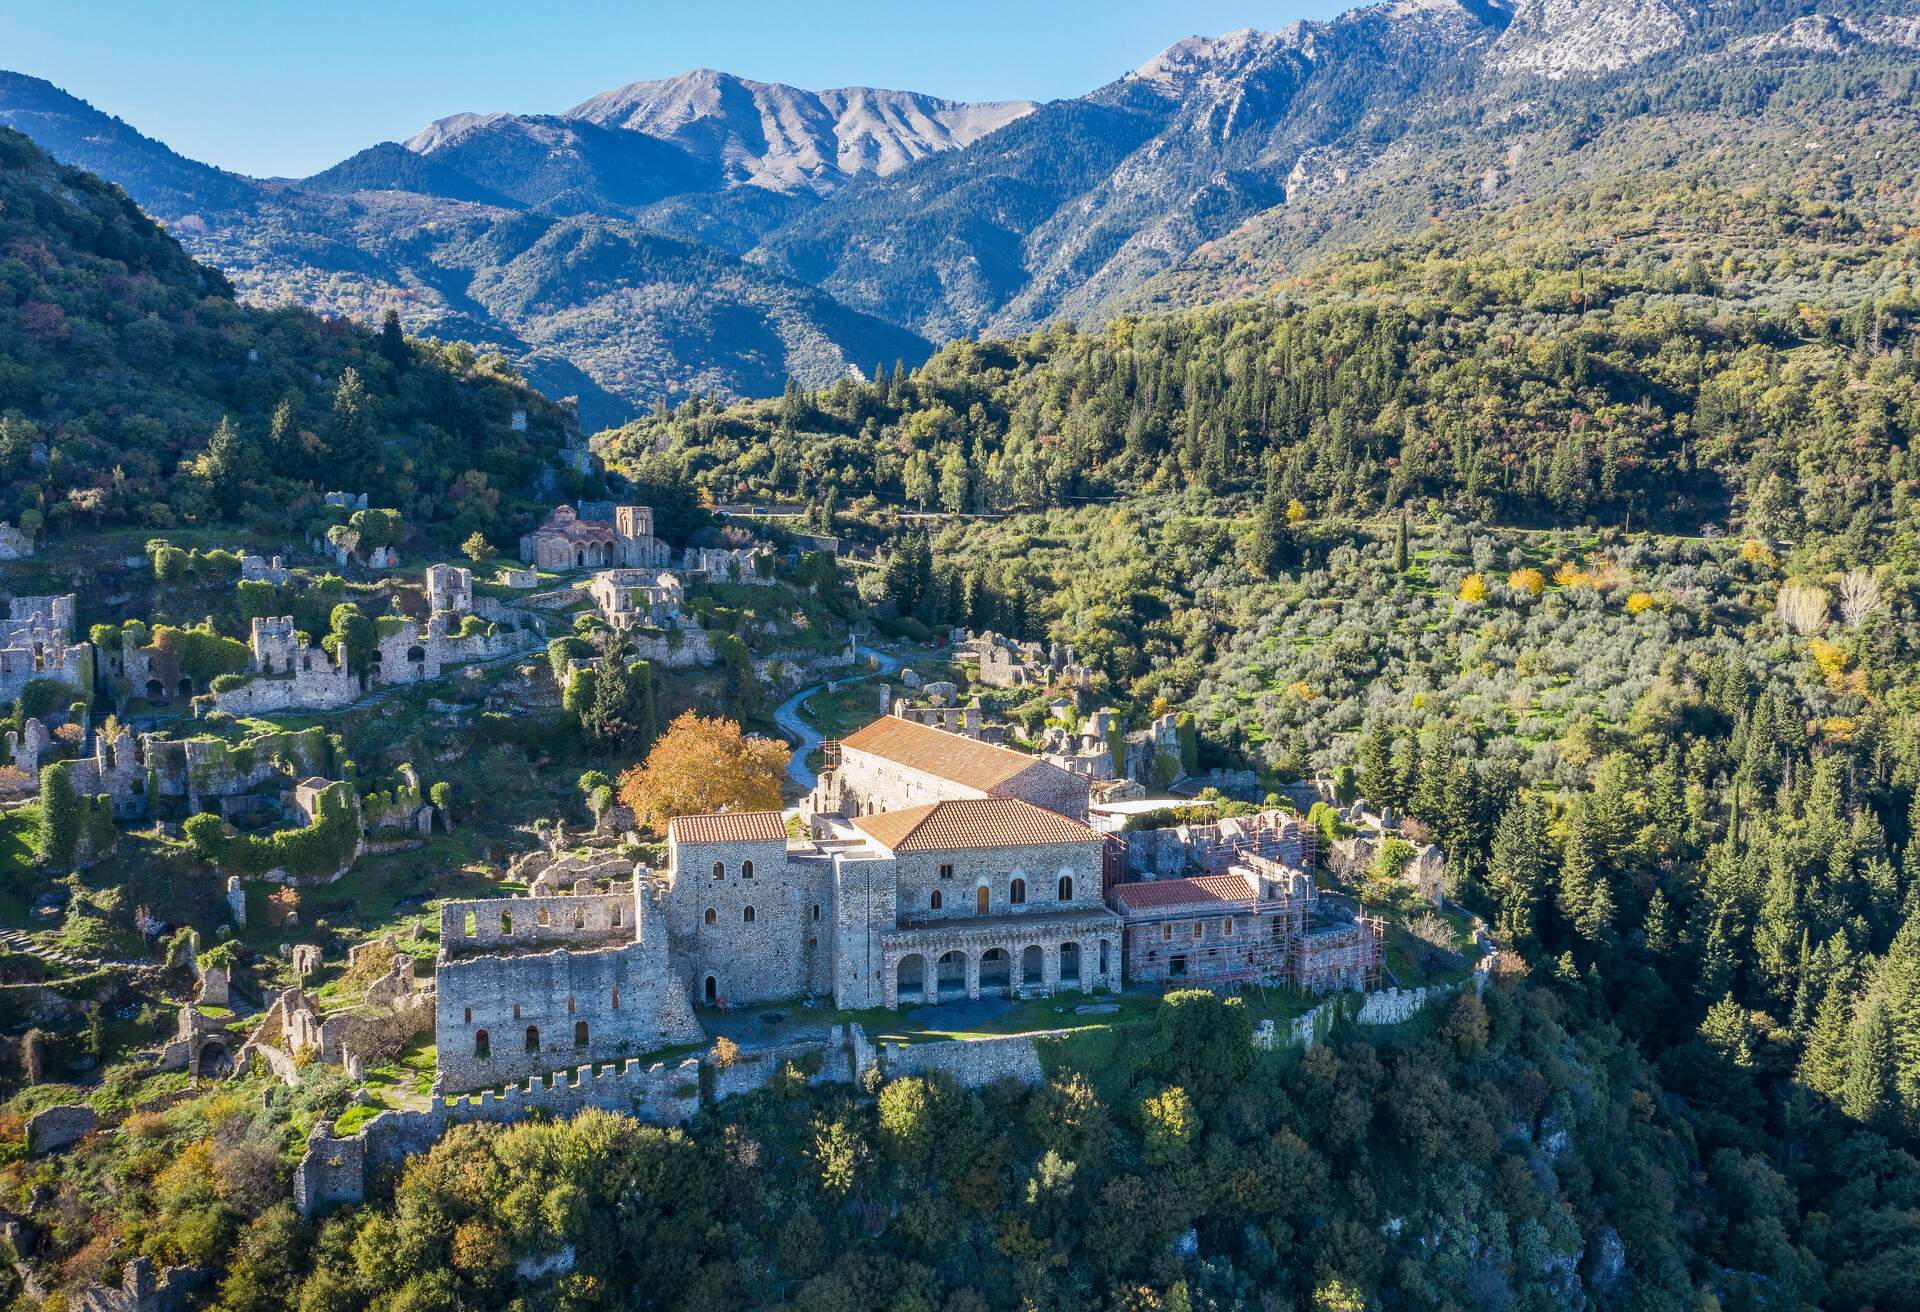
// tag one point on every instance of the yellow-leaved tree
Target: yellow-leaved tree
(701, 765)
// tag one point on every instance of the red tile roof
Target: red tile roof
(974, 822)
(1207, 893)
(728, 827)
(950, 756)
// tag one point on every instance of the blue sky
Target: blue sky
(279, 87)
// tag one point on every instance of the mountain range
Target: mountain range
(706, 233)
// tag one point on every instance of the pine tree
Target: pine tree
(1658, 926)
(1400, 544)
(393, 342)
(1517, 870)
(1868, 1095)
(1823, 1062)
(225, 466)
(351, 444)
(1586, 898)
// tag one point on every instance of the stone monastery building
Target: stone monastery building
(936, 867)
(942, 879)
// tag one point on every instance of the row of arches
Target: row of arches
(998, 972)
(1016, 895)
(712, 917)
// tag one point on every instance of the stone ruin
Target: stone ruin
(36, 642)
(750, 564)
(288, 675)
(263, 569)
(449, 588)
(142, 1290)
(1009, 663)
(200, 1046)
(393, 1009)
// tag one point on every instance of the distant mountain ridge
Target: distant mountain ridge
(770, 231)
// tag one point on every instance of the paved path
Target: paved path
(804, 735)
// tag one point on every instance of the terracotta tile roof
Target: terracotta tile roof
(948, 756)
(729, 827)
(975, 822)
(1205, 893)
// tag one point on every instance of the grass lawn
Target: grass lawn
(406, 1082)
(963, 1021)
(839, 712)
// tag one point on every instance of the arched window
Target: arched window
(516, 1011)
(746, 870)
(481, 1048)
(712, 917)
(1017, 892)
(936, 899)
(533, 1038)
(506, 922)
(1226, 926)
(719, 870)
(1066, 888)
(579, 1034)
(469, 1015)
(747, 915)
(579, 918)
(616, 915)
(980, 899)
(469, 924)
(616, 999)
(569, 1004)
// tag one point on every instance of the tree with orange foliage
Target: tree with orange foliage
(703, 765)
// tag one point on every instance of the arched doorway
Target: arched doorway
(579, 1034)
(712, 991)
(1069, 963)
(951, 974)
(996, 973)
(910, 980)
(156, 690)
(186, 687)
(214, 1059)
(482, 1046)
(1033, 967)
(533, 1038)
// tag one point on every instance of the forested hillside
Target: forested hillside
(1585, 534)
(134, 388)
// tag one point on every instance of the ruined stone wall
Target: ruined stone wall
(578, 920)
(369, 1035)
(410, 654)
(971, 1063)
(334, 1169)
(682, 646)
(57, 659)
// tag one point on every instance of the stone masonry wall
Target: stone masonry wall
(783, 952)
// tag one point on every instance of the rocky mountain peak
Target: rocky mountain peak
(1555, 39)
